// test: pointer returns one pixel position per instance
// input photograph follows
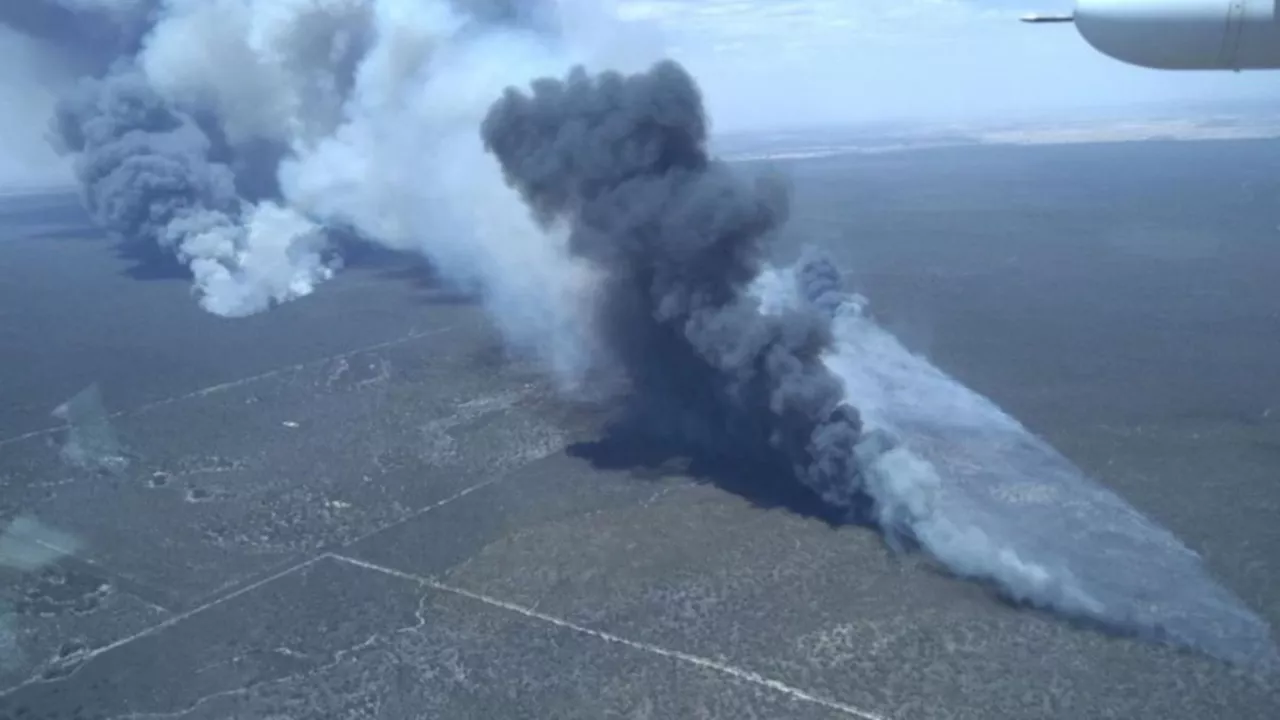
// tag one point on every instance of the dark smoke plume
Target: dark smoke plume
(679, 236)
(142, 164)
(223, 135)
(147, 172)
(681, 239)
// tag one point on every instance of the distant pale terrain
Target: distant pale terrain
(899, 137)
(813, 143)
(18, 191)
(1219, 128)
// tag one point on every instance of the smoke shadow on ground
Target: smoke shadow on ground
(54, 216)
(43, 209)
(398, 266)
(147, 261)
(60, 216)
(428, 285)
(357, 253)
(763, 478)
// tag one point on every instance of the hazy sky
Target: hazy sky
(766, 63)
(27, 95)
(769, 61)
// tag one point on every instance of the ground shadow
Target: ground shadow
(759, 475)
(55, 216)
(764, 479)
(358, 253)
(58, 208)
(398, 266)
(148, 261)
(429, 286)
(60, 216)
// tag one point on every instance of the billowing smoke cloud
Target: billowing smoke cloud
(161, 164)
(683, 306)
(147, 174)
(406, 167)
(241, 136)
(678, 238)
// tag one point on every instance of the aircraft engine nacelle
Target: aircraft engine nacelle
(1184, 34)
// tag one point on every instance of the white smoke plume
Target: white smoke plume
(269, 125)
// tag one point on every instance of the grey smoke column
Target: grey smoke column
(679, 235)
(142, 165)
(146, 172)
(199, 112)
